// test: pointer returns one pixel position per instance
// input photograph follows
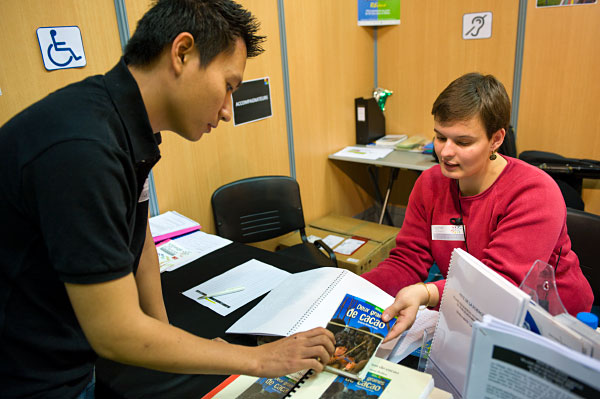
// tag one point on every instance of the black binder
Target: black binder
(370, 121)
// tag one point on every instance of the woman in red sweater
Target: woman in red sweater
(513, 213)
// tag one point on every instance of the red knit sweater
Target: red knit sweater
(520, 218)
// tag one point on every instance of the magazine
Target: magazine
(358, 331)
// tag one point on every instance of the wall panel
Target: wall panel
(188, 173)
(421, 56)
(561, 86)
(23, 78)
(331, 63)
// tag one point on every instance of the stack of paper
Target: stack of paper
(364, 152)
(171, 224)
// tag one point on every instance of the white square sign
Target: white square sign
(61, 47)
(477, 25)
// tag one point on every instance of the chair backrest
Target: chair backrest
(509, 146)
(557, 167)
(584, 231)
(258, 208)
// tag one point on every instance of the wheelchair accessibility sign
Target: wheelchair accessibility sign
(61, 47)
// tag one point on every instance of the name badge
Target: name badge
(145, 195)
(447, 232)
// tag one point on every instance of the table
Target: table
(116, 380)
(395, 160)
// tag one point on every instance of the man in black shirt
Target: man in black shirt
(79, 273)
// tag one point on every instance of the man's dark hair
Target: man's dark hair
(473, 95)
(214, 24)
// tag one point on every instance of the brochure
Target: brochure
(358, 331)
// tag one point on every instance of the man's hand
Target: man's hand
(307, 350)
(406, 305)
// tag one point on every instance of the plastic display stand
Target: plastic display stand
(540, 284)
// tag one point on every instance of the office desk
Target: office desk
(395, 160)
(115, 380)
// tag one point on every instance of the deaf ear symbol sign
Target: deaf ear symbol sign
(478, 23)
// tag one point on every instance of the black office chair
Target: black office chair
(584, 230)
(265, 207)
(567, 172)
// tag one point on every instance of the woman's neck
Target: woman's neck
(477, 184)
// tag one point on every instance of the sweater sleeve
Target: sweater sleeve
(410, 260)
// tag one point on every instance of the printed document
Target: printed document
(172, 254)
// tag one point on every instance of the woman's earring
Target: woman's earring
(493, 156)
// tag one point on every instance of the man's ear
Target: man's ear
(498, 138)
(181, 48)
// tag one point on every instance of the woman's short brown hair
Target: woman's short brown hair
(473, 95)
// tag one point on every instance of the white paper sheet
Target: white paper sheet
(256, 277)
(202, 242)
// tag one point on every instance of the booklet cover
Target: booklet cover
(358, 331)
(371, 387)
(385, 380)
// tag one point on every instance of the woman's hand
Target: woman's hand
(307, 350)
(406, 305)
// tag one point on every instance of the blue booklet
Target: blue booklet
(371, 387)
(358, 331)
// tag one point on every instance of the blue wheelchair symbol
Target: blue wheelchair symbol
(57, 46)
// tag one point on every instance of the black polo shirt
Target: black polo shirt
(72, 169)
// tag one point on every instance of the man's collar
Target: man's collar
(127, 99)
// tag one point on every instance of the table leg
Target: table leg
(393, 177)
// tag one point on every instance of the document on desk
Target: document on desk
(172, 254)
(256, 277)
(202, 242)
(364, 152)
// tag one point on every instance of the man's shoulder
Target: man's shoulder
(79, 111)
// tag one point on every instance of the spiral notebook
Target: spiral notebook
(384, 380)
(306, 300)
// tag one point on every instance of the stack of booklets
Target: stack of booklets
(385, 380)
(390, 140)
(507, 361)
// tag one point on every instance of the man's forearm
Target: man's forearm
(147, 279)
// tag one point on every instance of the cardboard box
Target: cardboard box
(380, 239)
